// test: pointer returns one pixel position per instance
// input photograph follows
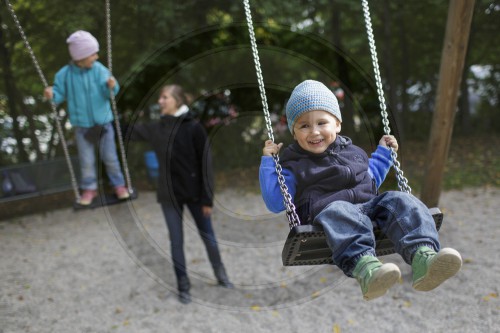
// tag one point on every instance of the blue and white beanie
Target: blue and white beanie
(308, 96)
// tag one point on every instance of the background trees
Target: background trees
(204, 45)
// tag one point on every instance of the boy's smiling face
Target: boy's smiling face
(316, 130)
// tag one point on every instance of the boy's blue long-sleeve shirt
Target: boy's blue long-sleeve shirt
(86, 92)
(378, 166)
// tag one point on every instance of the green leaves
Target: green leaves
(409, 36)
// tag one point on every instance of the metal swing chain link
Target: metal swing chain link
(291, 213)
(258, 69)
(53, 106)
(402, 181)
(113, 101)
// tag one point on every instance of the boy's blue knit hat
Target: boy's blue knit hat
(308, 96)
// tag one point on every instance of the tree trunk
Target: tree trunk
(345, 81)
(139, 27)
(452, 63)
(405, 71)
(12, 96)
(388, 61)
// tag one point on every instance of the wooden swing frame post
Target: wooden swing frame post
(452, 62)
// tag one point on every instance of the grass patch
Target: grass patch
(468, 164)
(472, 162)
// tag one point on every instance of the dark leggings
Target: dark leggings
(173, 217)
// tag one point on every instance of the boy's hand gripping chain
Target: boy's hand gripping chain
(402, 181)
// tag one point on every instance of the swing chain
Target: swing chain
(108, 36)
(258, 70)
(113, 101)
(291, 213)
(402, 181)
(52, 104)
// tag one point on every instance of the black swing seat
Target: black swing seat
(306, 244)
(106, 200)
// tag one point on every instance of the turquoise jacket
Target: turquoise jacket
(86, 92)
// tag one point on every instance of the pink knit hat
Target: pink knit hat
(82, 44)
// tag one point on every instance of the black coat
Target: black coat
(185, 162)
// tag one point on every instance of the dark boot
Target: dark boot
(184, 297)
(183, 285)
(222, 279)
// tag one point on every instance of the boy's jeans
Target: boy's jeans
(402, 217)
(107, 153)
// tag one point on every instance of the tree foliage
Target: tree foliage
(205, 45)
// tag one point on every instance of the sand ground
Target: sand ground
(109, 270)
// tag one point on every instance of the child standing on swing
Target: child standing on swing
(334, 184)
(85, 84)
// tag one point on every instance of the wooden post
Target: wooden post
(452, 62)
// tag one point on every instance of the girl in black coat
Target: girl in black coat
(186, 179)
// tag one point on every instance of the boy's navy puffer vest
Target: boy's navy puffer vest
(340, 173)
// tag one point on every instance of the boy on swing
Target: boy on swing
(334, 184)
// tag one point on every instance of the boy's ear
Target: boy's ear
(339, 127)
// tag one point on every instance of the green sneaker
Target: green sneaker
(374, 277)
(430, 269)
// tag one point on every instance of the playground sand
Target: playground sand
(108, 270)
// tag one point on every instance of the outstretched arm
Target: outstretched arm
(106, 80)
(380, 161)
(57, 92)
(268, 178)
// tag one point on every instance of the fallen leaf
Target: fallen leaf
(255, 308)
(490, 296)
